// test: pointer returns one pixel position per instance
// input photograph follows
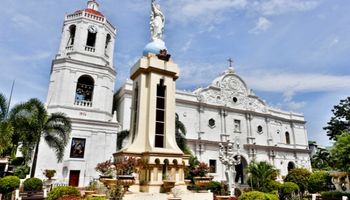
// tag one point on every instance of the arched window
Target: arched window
(91, 37)
(287, 138)
(108, 40)
(72, 29)
(290, 166)
(84, 91)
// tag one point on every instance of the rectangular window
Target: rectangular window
(160, 115)
(135, 109)
(212, 166)
(77, 149)
(237, 125)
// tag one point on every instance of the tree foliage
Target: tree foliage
(54, 129)
(261, 174)
(322, 160)
(180, 134)
(318, 181)
(26, 123)
(299, 176)
(341, 152)
(340, 121)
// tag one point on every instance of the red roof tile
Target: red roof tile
(91, 11)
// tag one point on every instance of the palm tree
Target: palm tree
(322, 159)
(261, 174)
(180, 134)
(36, 123)
(5, 126)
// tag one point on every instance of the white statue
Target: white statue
(157, 22)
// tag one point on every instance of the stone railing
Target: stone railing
(94, 17)
(85, 14)
(83, 103)
(90, 49)
(69, 48)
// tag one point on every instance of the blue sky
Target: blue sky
(293, 53)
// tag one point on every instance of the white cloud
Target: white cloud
(211, 11)
(298, 82)
(23, 21)
(277, 7)
(187, 45)
(294, 106)
(334, 42)
(261, 25)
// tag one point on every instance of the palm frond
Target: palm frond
(59, 124)
(57, 144)
(3, 107)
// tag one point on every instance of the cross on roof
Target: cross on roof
(230, 61)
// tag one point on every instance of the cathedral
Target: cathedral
(82, 84)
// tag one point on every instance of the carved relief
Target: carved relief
(232, 92)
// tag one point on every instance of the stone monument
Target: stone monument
(152, 129)
(227, 158)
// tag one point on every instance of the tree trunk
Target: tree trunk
(35, 158)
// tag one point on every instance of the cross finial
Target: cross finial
(230, 61)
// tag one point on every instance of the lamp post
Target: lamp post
(227, 158)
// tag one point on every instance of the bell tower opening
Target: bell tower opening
(72, 30)
(84, 91)
(91, 38)
(107, 44)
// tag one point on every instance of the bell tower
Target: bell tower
(82, 86)
(82, 75)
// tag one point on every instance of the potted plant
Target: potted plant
(91, 188)
(200, 172)
(49, 173)
(168, 183)
(126, 166)
(105, 168)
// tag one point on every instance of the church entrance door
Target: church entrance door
(240, 175)
(74, 178)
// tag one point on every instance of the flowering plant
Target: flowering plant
(202, 169)
(105, 168)
(127, 165)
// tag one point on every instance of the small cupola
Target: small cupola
(92, 4)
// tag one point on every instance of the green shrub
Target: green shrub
(271, 197)
(60, 191)
(32, 184)
(300, 176)
(272, 185)
(318, 182)
(8, 184)
(214, 186)
(254, 195)
(287, 190)
(334, 195)
(21, 171)
(96, 198)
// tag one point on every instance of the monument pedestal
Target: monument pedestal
(152, 132)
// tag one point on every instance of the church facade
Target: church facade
(228, 110)
(82, 83)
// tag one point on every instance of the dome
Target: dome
(154, 47)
